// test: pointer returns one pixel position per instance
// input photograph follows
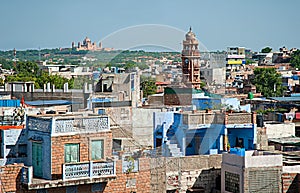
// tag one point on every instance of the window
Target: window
(97, 149)
(22, 150)
(99, 187)
(129, 164)
(232, 182)
(117, 144)
(101, 111)
(124, 114)
(11, 151)
(71, 153)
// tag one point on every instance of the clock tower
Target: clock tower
(190, 57)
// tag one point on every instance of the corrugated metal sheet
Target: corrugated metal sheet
(286, 99)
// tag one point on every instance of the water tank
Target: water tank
(250, 95)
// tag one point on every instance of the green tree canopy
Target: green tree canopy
(295, 60)
(6, 64)
(148, 86)
(266, 50)
(29, 71)
(268, 82)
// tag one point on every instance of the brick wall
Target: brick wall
(10, 178)
(178, 99)
(84, 152)
(290, 182)
(131, 182)
(138, 182)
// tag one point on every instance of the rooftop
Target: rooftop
(287, 140)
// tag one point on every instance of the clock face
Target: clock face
(186, 61)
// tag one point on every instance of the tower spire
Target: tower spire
(190, 57)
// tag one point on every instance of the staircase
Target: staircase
(172, 144)
(174, 150)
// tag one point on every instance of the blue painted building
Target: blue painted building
(198, 133)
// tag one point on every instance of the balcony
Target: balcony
(72, 174)
(63, 124)
(88, 170)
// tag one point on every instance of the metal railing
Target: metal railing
(88, 170)
(76, 170)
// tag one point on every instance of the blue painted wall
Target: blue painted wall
(247, 134)
(9, 103)
(201, 141)
(161, 123)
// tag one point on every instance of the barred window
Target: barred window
(232, 182)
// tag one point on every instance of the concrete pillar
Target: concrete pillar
(90, 88)
(66, 87)
(48, 87)
(24, 87)
(53, 88)
(85, 89)
(44, 87)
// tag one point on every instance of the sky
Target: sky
(254, 24)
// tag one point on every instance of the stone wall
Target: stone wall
(262, 179)
(185, 173)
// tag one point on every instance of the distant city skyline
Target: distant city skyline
(217, 24)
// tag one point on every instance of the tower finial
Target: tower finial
(190, 28)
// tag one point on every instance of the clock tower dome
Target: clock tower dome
(190, 57)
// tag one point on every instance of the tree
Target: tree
(130, 64)
(266, 50)
(29, 71)
(148, 86)
(6, 64)
(295, 60)
(268, 82)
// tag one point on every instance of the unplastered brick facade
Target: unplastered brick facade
(10, 178)
(290, 182)
(138, 182)
(84, 140)
(131, 182)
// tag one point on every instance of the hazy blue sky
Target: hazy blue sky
(217, 23)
